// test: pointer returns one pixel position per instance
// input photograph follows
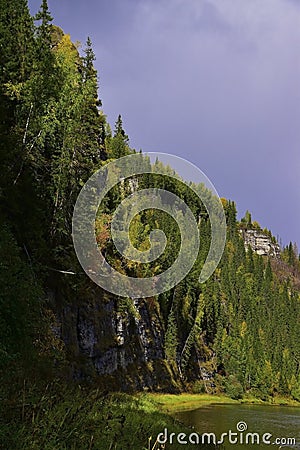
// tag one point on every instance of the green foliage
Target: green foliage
(28, 346)
(171, 338)
(247, 220)
(118, 144)
(20, 305)
(290, 256)
(296, 392)
(233, 388)
(78, 418)
(198, 387)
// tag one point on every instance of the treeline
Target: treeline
(242, 325)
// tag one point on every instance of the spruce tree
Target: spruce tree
(119, 143)
(93, 120)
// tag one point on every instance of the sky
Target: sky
(216, 82)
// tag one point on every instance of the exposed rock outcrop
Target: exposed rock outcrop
(124, 345)
(260, 242)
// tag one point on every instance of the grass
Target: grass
(170, 403)
(65, 417)
(276, 401)
(61, 416)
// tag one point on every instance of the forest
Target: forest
(236, 334)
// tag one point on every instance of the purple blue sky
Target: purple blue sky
(214, 81)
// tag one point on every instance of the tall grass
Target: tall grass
(74, 417)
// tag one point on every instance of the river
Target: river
(249, 424)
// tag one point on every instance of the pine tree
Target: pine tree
(45, 82)
(119, 143)
(93, 120)
(43, 31)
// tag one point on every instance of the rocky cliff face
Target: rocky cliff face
(124, 344)
(260, 243)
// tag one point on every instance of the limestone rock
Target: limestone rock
(260, 243)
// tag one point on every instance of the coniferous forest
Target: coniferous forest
(237, 334)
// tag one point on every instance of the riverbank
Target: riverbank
(60, 416)
(171, 403)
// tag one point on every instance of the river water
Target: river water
(252, 424)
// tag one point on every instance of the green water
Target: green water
(281, 422)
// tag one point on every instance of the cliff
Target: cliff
(119, 343)
(260, 242)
